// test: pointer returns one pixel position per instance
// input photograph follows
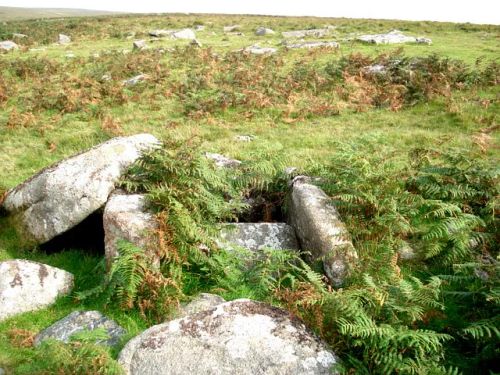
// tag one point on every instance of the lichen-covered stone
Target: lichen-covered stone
(392, 37)
(184, 34)
(63, 39)
(258, 50)
(8, 45)
(139, 44)
(239, 337)
(202, 302)
(222, 161)
(126, 218)
(310, 45)
(261, 31)
(27, 286)
(64, 194)
(79, 321)
(256, 236)
(320, 229)
(317, 33)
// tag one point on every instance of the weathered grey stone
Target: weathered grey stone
(19, 36)
(406, 252)
(261, 31)
(64, 194)
(135, 80)
(231, 28)
(203, 302)
(28, 286)
(392, 37)
(320, 230)
(375, 69)
(258, 50)
(2, 371)
(8, 45)
(318, 33)
(139, 44)
(239, 337)
(63, 39)
(161, 33)
(310, 45)
(79, 321)
(184, 34)
(222, 161)
(126, 218)
(257, 236)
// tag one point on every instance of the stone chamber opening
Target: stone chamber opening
(87, 236)
(265, 207)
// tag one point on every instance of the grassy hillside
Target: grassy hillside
(410, 157)
(15, 13)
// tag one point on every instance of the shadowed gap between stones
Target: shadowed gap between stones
(87, 236)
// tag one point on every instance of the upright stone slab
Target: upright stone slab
(79, 321)
(320, 229)
(64, 194)
(28, 286)
(256, 236)
(239, 337)
(126, 218)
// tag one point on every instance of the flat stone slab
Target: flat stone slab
(28, 286)
(63, 39)
(318, 33)
(258, 50)
(320, 229)
(393, 37)
(184, 34)
(79, 321)
(241, 337)
(64, 194)
(310, 45)
(126, 218)
(257, 236)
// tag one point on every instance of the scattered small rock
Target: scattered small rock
(28, 286)
(244, 138)
(79, 321)
(199, 28)
(392, 37)
(261, 31)
(310, 45)
(139, 44)
(196, 43)
(258, 50)
(64, 39)
(375, 69)
(317, 33)
(19, 36)
(70, 55)
(135, 80)
(184, 34)
(231, 28)
(161, 33)
(222, 161)
(8, 45)
(239, 337)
